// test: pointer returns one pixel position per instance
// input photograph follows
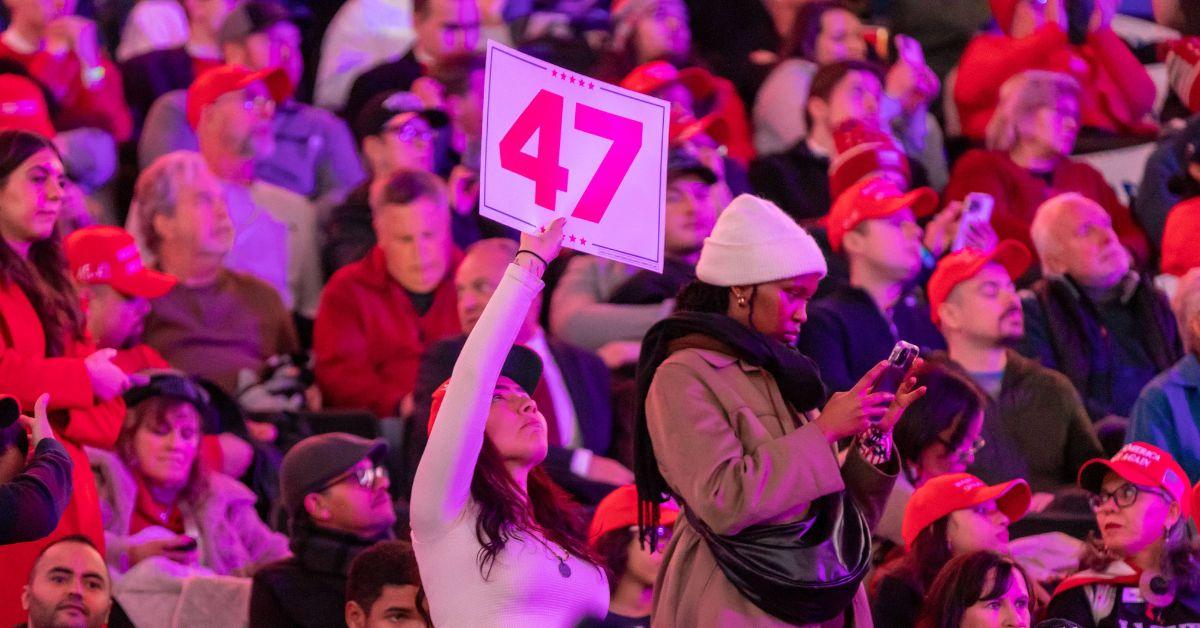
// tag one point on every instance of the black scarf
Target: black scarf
(798, 378)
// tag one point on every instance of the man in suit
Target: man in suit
(574, 393)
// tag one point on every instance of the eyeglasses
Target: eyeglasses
(369, 478)
(409, 133)
(962, 455)
(1124, 496)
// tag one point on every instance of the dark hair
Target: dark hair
(14, 436)
(71, 538)
(918, 567)
(806, 28)
(384, 563)
(406, 186)
(454, 72)
(961, 584)
(504, 512)
(43, 277)
(950, 400)
(830, 75)
(613, 549)
(150, 414)
(699, 296)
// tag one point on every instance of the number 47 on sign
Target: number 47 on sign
(558, 143)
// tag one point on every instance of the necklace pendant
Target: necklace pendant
(564, 569)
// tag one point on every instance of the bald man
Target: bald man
(574, 393)
(1091, 316)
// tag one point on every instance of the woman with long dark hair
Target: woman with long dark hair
(980, 590)
(43, 344)
(730, 428)
(496, 541)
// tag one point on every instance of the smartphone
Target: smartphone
(977, 209)
(188, 546)
(902, 358)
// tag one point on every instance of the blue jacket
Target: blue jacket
(1167, 414)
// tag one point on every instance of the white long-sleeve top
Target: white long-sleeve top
(524, 586)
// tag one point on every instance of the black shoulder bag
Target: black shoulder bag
(804, 572)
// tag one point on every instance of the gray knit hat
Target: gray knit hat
(754, 242)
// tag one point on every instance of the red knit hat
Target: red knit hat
(955, 491)
(619, 510)
(862, 149)
(872, 198)
(23, 106)
(1179, 251)
(1140, 463)
(221, 80)
(1003, 11)
(962, 265)
(1183, 66)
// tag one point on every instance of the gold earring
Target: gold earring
(741, 300)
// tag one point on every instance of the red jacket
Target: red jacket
(102, 107)
(368, 339)
(1117, 91)
(77, 419)
(1019, 193)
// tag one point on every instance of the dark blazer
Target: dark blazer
(150, 75)
(588, 382)
(385, 77)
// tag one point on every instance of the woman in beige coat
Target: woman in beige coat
(731, 427)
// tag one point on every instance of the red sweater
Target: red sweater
(77, 420)
(1018, 194)
(1117, 91)
(102, 107)
(368, 339)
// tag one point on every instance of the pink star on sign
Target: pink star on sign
(543, 230)
(554, 73)
(582, 241)
(572, 80)
(563, 76)
(591, 86)
(572, 238)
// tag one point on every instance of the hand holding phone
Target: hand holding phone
(977, 210)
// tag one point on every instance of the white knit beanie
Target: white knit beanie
(754, 242)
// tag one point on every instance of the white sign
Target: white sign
(557, 143)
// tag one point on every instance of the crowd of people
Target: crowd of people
(920, 355)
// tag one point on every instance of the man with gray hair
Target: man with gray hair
(1167, 413)
(1092, 316)
(216, 321)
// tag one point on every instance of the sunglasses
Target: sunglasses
(369, 478)
(1124, 496)
(409, 133)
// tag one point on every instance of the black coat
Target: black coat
(588, 382)
(152, 74)
(35, 499)
(385, 77)
(307, 590)
(1066, 331)
(847, 334)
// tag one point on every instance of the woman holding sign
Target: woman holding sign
(774, 526)
(497, 543)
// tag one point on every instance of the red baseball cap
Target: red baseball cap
(23, 106)
(1140, 463)
(872, 198)
(221, 80)
(619, 510)
(1179, 251)
(108, 256)
(962, 265)
(862, 149)
(1196, 503)
(655, 75)
(955, 491)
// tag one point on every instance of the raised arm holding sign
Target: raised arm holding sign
(556, 143)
